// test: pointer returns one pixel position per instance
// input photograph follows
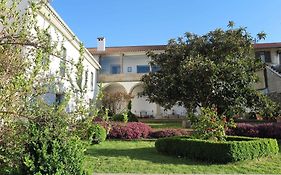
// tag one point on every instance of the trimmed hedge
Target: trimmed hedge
(232, 150)
(265, 130)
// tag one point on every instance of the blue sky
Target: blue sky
(153, 22)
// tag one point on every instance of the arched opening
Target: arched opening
(115, 98)
(140, 105)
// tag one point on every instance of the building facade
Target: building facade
(123, 67)
(63, 65)
(270, 53)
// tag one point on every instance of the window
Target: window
(59, 99)
(63, 62)
(92, 81)
(264, 56)
(115, 69)
(155, 68)
(86, 78)
(143, 69)
(129, 69)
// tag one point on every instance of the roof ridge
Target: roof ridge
(163, 45)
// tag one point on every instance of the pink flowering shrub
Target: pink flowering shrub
(169, 133)
(131, 130)
(266, 130)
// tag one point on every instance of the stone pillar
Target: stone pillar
(121, 63)
(158, 111)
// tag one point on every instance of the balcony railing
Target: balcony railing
(104, 78)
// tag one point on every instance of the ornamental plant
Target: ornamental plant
(209, 125)
(129, 131)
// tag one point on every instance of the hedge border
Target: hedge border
(233, 150)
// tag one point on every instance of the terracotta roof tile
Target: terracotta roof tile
(122, 49)
(267, 45)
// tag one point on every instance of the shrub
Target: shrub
(209, 125)
(120, 117)
(105, 124)
(169, 133)
(266, 130)
(93, 132)
(97, 134)
(11, 149)
(232, 150)
(132, 117)
(132, 130)
(51, 150)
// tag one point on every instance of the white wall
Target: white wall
(60, 33)
(133, 61)
(129, 60)
(274, 56)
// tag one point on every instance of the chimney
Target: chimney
(101, 44)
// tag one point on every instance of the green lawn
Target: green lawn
(163, 123)
(141, 157)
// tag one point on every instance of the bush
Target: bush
(209, 124)
(266, 130)
(232, 150)
(97, 134)
(11, 149)
(93, 132)
(120, 118)
(51, 150)
(132, 117)
(132, 130)
(169, 133)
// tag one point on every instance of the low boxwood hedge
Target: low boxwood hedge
(232, 150)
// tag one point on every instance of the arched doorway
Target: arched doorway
(115, 98)
(140, 105)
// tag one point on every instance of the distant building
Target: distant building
(270, 53)
(122, 68)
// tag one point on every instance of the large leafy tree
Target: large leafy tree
(215, 70)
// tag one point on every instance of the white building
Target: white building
(123, 67)
(69, 45)
(121, 71)
(270, 53)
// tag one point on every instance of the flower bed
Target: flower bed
(232, 150)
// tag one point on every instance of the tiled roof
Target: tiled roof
(267, 45)
(122, 49)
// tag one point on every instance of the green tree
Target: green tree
(217, 69)
(36, 137)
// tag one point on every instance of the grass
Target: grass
(141, 157)
(163, 123)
